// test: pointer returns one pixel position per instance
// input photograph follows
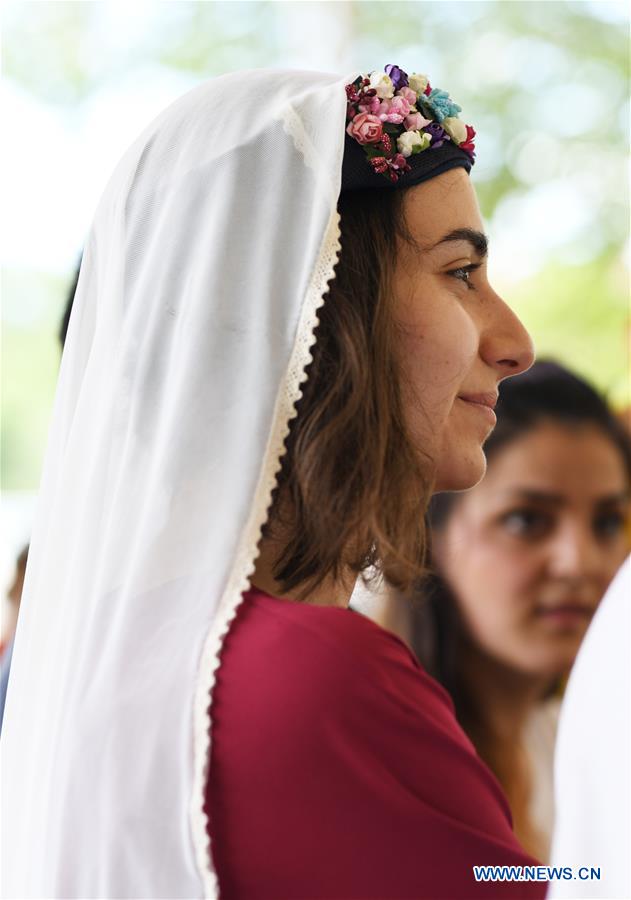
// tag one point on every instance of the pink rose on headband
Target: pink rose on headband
(369, 105)
(366, 129)
(408, 94)
(415, 121)
(394, 111)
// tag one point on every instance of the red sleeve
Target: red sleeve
(338, 769)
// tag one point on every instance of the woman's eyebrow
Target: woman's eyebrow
(613, 499)
(477, 239)
(537, 496)
(553, 499)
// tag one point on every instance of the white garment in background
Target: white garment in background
(593, 756)
(209, 255)
(539, 739)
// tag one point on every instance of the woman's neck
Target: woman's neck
(329, 593)
(502, 696)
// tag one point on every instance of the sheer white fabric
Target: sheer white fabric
(208, 257)
(539, 739)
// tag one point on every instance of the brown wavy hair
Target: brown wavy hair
(354, 487)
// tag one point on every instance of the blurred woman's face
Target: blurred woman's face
(530, 551)
(457, 339)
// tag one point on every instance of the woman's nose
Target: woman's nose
(575, 554)
(508, 347)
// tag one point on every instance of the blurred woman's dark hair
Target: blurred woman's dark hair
(548, 392)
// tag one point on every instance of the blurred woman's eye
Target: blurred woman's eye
(463, 273)
(526, 523)
(609, 525)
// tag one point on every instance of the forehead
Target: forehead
(576, 460)
(442, 204)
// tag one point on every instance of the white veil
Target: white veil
(207, 260)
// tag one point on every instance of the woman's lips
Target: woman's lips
(485, 398)
(567, 615)
(482, 403)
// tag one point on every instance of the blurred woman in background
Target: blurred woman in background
(521, 563)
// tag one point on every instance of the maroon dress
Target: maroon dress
(338, 769)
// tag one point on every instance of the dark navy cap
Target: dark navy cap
(357, 173)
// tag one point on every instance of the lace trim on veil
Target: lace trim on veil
(244, 563)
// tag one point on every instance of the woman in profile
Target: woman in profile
(283, 340)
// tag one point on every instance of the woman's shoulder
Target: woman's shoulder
(287, 633)
(320, 709)
(326, 652)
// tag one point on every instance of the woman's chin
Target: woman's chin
(460, 471)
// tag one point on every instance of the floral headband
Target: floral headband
(394, 116)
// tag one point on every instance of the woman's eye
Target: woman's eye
(526, 523)
(463, 273)
(608, 525)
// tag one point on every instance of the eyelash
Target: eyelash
(468, 270)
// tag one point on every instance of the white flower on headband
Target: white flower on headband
(382, 83)
(413, 142)
(418, 83)
(455, 128)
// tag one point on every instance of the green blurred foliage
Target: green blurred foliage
(32, 307)
(44, 49)
(596, 342)
(545, 84)
(207, 38)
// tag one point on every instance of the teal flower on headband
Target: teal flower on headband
(439, 104)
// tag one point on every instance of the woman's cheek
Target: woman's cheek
(523, 573)
(515, 566)
(516, 554)
(457, 342)
(436, 328)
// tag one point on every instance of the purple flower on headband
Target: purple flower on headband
(437, 134)
(398, 77)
